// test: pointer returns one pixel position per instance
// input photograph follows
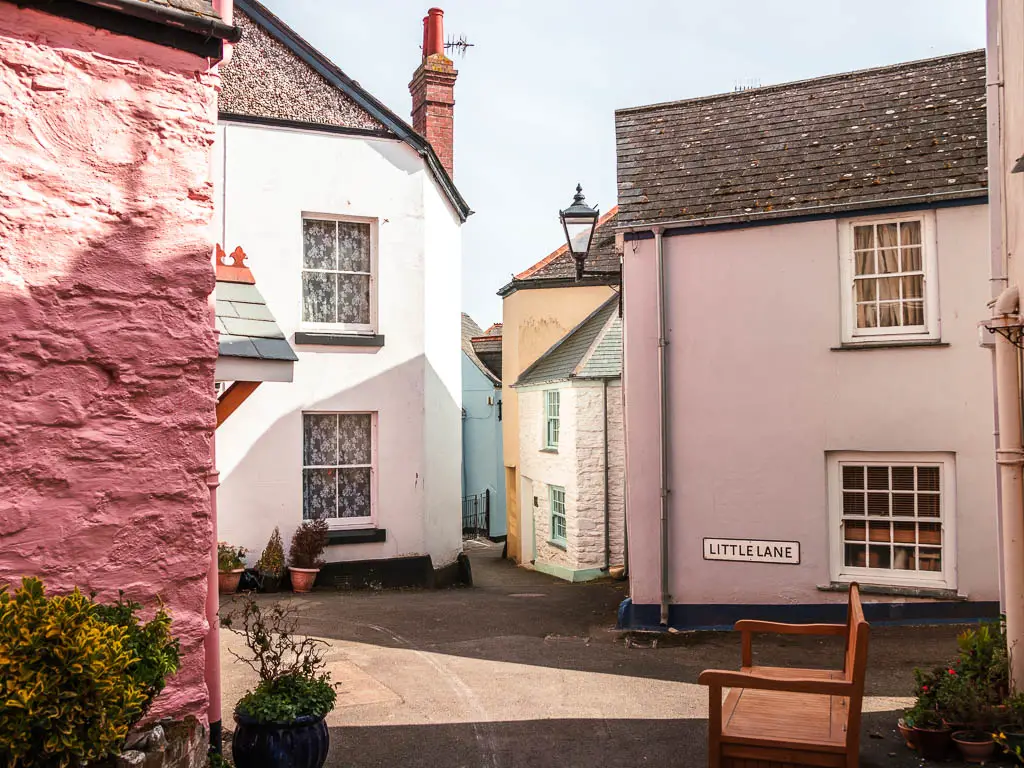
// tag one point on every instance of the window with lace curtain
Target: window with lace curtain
(338, 291)
(338, 463)
(889, 279)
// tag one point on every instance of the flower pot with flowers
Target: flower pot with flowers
(230, 566)
(304, 556)
(270, 566)
(1010, 733)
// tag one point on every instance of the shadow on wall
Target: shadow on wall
(108, 353)
(263, 487)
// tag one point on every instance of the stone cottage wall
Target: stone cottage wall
(589, 507)
(542, 469)
(106, 350)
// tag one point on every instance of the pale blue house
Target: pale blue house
(483, 474)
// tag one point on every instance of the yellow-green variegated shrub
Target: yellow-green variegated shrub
(67, 695)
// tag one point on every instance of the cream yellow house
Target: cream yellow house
(540, 306)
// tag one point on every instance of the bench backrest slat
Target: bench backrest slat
(856, 662)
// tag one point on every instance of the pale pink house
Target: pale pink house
(107, 352)
(807, 401)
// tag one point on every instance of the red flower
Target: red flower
(951, 671)
(924, 687)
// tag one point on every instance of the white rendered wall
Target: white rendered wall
(412, 382)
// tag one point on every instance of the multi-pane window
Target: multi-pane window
(888, 273)
(337, 467)
(337, 273)
(893, 521)
(551, 418)
(557, 513)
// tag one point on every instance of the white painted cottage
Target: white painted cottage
(351, 223)
(572, 450)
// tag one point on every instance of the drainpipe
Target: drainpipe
(664, 425)
(211, 643)
(607, 509)
(1010, 459)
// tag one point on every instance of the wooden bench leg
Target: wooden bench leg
(715, 726)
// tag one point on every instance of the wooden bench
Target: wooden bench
(776, 717)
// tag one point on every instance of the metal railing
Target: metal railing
(476, 515)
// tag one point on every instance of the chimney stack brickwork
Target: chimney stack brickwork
(433, 92)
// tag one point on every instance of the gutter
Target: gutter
(825, 211)
(663, 422)
(207, 26)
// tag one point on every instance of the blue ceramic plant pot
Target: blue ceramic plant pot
(301, 744)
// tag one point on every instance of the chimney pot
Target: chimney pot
(434, 32)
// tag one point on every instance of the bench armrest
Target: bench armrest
(752, 625)
(718, 678)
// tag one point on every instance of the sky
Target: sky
(537, 92)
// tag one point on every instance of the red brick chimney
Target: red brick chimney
(433, 92)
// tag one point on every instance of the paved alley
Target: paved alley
(526, 670)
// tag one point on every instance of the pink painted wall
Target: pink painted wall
(106, 348)
(758, 397)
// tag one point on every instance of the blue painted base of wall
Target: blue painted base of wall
(723, 616)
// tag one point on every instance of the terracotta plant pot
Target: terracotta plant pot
(932, 744)
(974, 746)
(303, 578)
(907, 733)
(227, 581)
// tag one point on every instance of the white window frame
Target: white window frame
(346, 523)
(549, 419)
(368, 329)
(930, 331)
(555, 539)
(840, 572)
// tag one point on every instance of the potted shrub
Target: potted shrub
(308, 543)
(230, 566)
(1011, 730)
(280, 723)
(931, 734)
(270, 566)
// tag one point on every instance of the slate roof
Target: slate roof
(591, 350)
(276, 77)
(470, 330)
(488, 349)
(558, 267)
(904, 133)
(247, 327)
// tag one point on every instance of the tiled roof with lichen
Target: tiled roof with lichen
(852, 141)
(471, 330)
(559, 267)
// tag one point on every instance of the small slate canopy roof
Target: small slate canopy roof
(909, 133)
(591, 350)
(248, 331)
(471, 331)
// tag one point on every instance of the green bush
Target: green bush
(67, 689)
(272, 560)
(284, 699)
(229, 558)
(156, 651)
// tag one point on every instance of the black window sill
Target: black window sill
(558, 545)
(856, 345)
(339, 339)
(549, 450)
(935, 593)
(357, 536)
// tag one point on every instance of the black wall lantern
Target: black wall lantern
(579, 221)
